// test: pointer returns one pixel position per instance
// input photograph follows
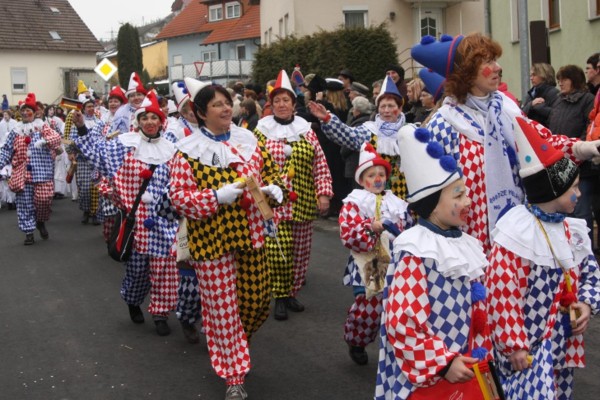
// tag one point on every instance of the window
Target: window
(18, 77)
(209, 56)
(178, 59)
(355, 19)
(241, 51)
(597, 7)
(594, 8)
(215, 13)
(55, 35)
(55, 10)
(286, 22)
(514, 20)
(554, 14)
(280, 27)
(233, 10)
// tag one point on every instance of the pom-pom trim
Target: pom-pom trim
(427, 39)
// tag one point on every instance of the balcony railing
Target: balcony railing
(218, 71)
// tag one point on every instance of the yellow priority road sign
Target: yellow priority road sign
(105, 69)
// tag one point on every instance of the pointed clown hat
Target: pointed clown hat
(434, 83)
(437, 55)
(150, 104)
(297, 76)
(388, 87)
(135, 85)
(368, 157)
(117, 92)
(546, 172)
(182, 96)
(282, 83)
(425, 165)
(194, 86)
(81, 88)
(30, 101)
(171, 107)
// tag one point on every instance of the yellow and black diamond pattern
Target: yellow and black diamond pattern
(253, 289)
(303, 183)
(280, 268)
(397, 182)
(226, 231)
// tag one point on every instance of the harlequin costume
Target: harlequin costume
(296, 150)
(434, 304)
(225, 241)
(540, 262)
(381, 134)
(125, 115)
(361, 207)
(31, 149)
(125, 161)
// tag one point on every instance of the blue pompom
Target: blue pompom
(181, 84)
(448, 163)
(479, 353)
(423, 135)
(477, 292)
(149, 223)
(435, 150)
(446, 38)
(29, 167)
(427, 39)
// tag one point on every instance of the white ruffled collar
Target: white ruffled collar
(527, 240)
(292, 132)
(392, 207)
(30, 127)
(455, 257)
(386, 145)
(203, 148)
(153, 151)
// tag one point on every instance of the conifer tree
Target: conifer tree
(129, 55)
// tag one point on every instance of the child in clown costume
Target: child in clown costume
(541, 265)
(434, 324)
(361, 230)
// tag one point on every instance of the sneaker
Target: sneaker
(162, 328)
(43, 231)
(280, 313)
(236, 392)
(190, 332)
(294, 305)
(358, 354)
(29, 239)
(136, 314)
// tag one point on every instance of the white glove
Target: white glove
(583, 151)
(274, 192)
(229, 193)
(39, 143)
(596, 160)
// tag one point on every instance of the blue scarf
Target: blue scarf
(544, 216)
(389, 129)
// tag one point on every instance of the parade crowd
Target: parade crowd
(469, 216)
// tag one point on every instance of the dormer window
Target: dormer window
(55, 35)
(55, 10)
(233, 10)
(215, 13)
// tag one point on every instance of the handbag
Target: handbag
(120, 243)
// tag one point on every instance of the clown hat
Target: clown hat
(30, 101)
(297, 76)
(437, 55)
(150, 104)
(434, 83)
(82, 98)
(282, 83)
(388, 87)
(81, 88)
(135, 85)
(545, 170)
(182, 96)
(118, 93)
(194, 87)
(368, 157)
(427, 168)
(334, 84)
(171, 107)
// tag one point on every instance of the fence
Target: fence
(219, 71)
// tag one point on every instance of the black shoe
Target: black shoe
(95, 221)
(294, 305)
(12, 206)
(59, 196)
(280, 310)
(43, 231)
(86, 218)
(136, 314)
(190, 332)
(358, 354)
(162, 328)
(29, 239)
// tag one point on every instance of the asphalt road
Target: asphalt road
(65, 332)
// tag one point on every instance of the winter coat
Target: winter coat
(569, 115)
(540, 112)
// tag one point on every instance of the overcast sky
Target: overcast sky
(102, 16)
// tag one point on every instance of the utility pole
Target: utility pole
(524, 46)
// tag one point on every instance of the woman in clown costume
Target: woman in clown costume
(125, 161)
(434, 323)
(296, 150)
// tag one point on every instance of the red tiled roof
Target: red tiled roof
(194, 19)
(27, 23)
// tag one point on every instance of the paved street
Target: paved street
(66, 334)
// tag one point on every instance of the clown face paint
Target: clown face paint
(487, 80)
(373, 179)
(452, 209)
(150, 124)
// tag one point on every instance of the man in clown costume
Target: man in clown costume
(31, 148)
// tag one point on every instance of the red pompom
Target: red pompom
(479, 321)
(567, 299)
(146, 174)
(293, 196)
(27, 139)
(245, 203)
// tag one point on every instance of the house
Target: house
(573, 28)
(154, 55)
(407, 20)
(45, 49)
(213, 40)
